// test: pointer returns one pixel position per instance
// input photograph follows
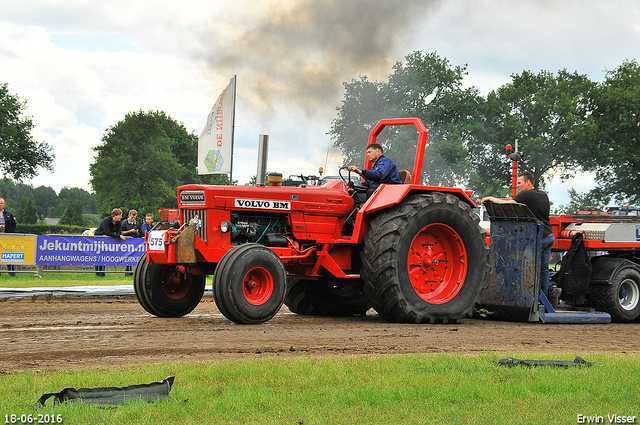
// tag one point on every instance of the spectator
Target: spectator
(110, 226)
(130, 227)
(147, 225)
(7, 225)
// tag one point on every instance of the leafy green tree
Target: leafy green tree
(584, 201)
(141, 162)
(427, 87)
(46, 200)
(73, 213)
(27, 214)
(613, 151)
(20, 154)
(87, 199)
(547, 114)
(14, 192)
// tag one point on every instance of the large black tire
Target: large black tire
(621, 299)
(425, 260)
(249, 284)
(163, 291)
(327, 296)
(138, 272)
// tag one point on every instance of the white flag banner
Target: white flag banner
(215, 144)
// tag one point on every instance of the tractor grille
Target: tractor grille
(202, 215)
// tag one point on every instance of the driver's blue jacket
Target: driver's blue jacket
(383, 171)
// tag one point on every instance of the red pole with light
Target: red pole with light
(514, 156)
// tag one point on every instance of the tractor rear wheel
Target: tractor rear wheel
(165, 292)
(425, 260)
(327, 296)
(621, 299)
(249, 284)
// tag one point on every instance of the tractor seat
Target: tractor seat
(405, 176)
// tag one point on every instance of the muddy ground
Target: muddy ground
(43, 332)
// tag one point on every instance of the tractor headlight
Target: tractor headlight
(226, 226)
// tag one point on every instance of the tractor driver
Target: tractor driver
(383, 171)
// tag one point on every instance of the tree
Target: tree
(141, 162)
(87, 199)
(20, 154)
(547, 114)
(429, 88)
(582, 201)
(27, 214)
(73, 214)
(14, 192)
(46, 200)
(613, 148)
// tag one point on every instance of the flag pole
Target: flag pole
(233, 126)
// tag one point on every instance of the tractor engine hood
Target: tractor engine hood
(331, 199)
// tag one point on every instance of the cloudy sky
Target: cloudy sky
(82, 65)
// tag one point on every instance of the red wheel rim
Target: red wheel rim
(437, 263)
(175, 285)
(257, 286)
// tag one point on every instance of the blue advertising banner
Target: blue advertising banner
(88, 251)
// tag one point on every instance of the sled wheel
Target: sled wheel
(164, 292)
(249, 284)
(327, 296)
(425, 260)
(621, 299)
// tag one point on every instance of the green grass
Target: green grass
(56, 279)
(411, 389)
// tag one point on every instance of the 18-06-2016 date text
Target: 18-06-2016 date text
(33, 419)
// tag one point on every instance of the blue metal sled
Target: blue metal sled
(516, 249)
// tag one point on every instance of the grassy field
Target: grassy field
(411, 389)
(56, 279)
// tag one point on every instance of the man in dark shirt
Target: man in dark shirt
(147, 225)
(130, 227)
(383, 170)
(110, 226)
(7, 225)
(538, 203)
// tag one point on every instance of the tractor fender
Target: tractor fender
(388, 195)
(605, 269)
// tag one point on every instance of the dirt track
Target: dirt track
(76, 332)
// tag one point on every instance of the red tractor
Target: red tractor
(414, 253)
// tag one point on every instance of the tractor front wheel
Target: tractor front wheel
(249, 284)
(165, 292)
(425, 260)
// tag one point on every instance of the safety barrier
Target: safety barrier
(38, 254)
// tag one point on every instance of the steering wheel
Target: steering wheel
(347, 181)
